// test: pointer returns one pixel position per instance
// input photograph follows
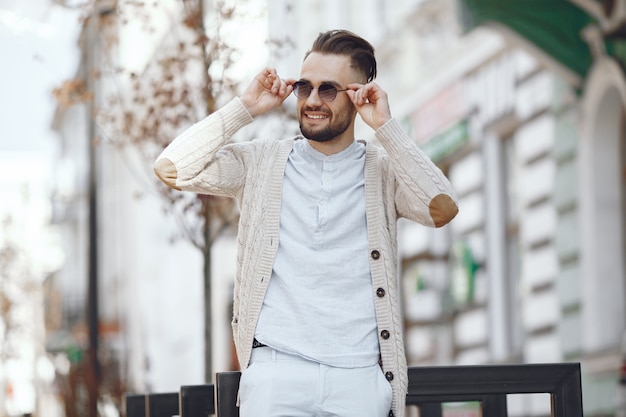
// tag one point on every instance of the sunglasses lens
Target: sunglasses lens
(302, 89)
(327, 92)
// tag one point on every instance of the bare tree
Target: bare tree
(141, 112)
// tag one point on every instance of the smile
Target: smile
(316, 116)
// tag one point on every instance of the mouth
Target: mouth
(315, 116)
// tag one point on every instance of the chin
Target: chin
(323, 135)
(321, 139)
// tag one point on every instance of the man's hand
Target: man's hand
(371, 102)
(266, 92)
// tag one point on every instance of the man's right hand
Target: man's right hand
(266, 92)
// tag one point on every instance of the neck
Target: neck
(330, 147)
(335, 145)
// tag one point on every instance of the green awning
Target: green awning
(553, 26)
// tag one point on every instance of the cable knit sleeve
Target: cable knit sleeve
(201, 159)
(423, 193)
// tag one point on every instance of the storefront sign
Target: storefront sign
(447, 142)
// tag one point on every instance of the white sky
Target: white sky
(38, 44)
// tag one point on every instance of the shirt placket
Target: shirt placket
(323, 205)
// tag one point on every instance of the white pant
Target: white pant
(282, 385)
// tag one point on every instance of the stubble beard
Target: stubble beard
(325, 134)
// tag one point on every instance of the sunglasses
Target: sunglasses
(327, 92)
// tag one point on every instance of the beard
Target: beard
(326, 133)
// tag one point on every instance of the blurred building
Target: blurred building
(529, 129)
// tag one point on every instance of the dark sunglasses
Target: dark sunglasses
(327, 92)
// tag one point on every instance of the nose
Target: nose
(314, 98)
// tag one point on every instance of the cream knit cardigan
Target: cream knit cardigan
(400, 181)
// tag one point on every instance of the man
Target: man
(316, 322)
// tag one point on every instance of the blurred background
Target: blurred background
(110, 283)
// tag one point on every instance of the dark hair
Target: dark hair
(343, 42)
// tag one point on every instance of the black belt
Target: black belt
(256, 344)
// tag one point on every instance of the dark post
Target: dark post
(208, 217)
(208, 339)
(93, 374)
(90, 50)
(92, 368)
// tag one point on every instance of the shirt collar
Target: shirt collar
(354, 148)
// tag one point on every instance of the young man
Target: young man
(317, 322)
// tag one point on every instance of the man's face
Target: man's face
(320, 120)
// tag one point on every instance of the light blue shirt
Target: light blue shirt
(320, 302)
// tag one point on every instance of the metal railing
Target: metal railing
(429, 388)
(191, 400)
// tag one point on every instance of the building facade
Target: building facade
(532, 269)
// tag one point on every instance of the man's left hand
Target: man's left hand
(371, 102)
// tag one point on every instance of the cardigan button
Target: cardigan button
(375, 254)
(384, 334)
(389, 376)
(380, 292)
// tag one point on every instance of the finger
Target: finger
(361, 96)
(355, 96)
(371, 93)
(271, 85)
(278, 84)
(268, 78)
(286, 87)
(263, 75)
(289, 82)
(368, 90)
(282, 88)
(270, 72)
